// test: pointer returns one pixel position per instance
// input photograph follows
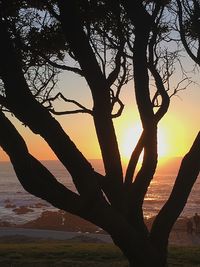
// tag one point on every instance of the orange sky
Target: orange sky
(176, 134)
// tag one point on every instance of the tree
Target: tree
(109, 40)
(189, 20)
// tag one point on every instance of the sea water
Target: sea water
(13, 196)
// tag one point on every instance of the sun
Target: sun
(131, 136)
(129, 141)
(163, 145)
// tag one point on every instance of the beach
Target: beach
(61, 225)
(20, 210)
(60, 239)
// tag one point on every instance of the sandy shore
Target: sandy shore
(64, 226)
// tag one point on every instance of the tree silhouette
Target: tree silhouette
(111, 42)
(188, 13)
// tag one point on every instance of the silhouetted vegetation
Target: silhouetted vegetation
(108, 43)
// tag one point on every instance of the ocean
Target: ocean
(13, 196)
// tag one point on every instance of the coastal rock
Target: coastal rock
(10, 206)
(22, 210)
(60, 220)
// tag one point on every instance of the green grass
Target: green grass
(184, 256)
(61, 254)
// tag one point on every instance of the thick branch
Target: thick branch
(162, 92)
(75, 35)
(37, 180)
(142, 22)
(158, 80)
(120, 110)
(141, 78)
(187, 175)
(145, 174)
(34, 177)
(115, 72)
(139, 187)
(39, 120)
(137, 13)
(134, 160)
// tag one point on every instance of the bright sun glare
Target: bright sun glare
(131, 137)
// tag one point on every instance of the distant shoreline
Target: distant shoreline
(171, 164)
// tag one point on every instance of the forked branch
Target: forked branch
(73, 27)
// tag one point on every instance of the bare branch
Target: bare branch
(116, 96)
(178, 87)
(162, 92)
(62, 67)
(60, 95)
(68, 112)
(102, 58)
(44, 85)
(120, 110)
(114, 74)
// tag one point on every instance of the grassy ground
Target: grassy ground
(53, 254)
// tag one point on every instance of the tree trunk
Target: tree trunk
(158, 259)
(138, 249)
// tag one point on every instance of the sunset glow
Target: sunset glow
(176, 131)
(131, 136)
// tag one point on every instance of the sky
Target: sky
(176, 133)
